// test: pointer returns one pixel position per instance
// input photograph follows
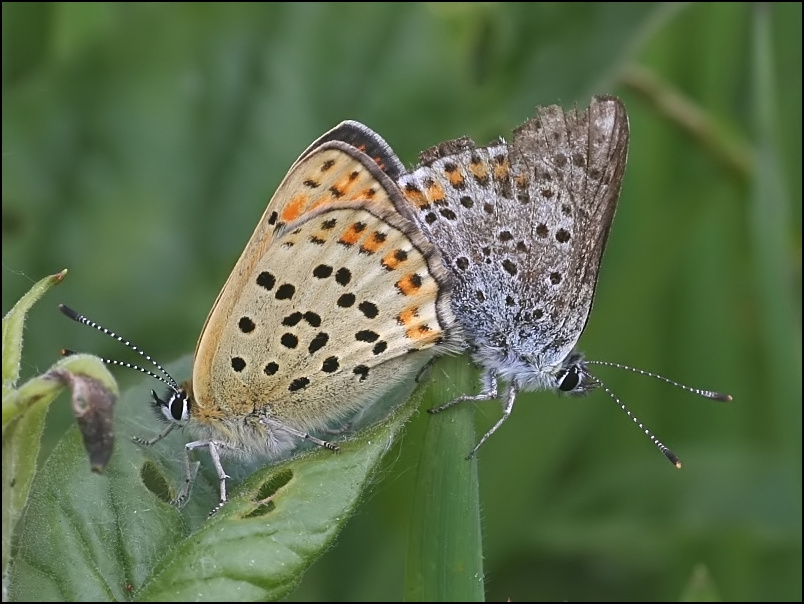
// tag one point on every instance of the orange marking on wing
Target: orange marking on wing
(295, 207)
(436, 192)
(367, 194)
(393, 259)
(422, 332)
(352, 234)
(479, 170)
(415, 196)
(409, 284)
(407, 316)
(501, 169)
(522, 181)
(374, 244)
(455, 178)
(343, 186)
(377, 160)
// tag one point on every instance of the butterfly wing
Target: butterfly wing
(326, 310)
(342, 306)
(522, 226)
(333, 172)
(364, 139)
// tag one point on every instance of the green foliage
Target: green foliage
(69, 535)
(117, 537)
(142, 141)
(94, 393)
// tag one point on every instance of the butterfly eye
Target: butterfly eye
(568, 380)
(178, 409)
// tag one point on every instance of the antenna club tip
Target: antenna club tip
(68, 311)
(671, 457)
(726, 398)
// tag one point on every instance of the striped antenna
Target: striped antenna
(79, 318)
(710, 394)
(659, 444)
(705, 393)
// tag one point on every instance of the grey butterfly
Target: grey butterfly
(522, 227)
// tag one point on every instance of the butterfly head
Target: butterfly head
(572, 377)
(174, 407)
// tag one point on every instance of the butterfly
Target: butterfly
(522, 228)
(336, 298)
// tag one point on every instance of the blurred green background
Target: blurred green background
(142, 142)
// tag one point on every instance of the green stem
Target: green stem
(445, 557)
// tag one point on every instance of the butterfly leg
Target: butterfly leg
(184, 493)
(510, 397)
(213, 448)
(275, 425)
(425, 368)
(488, 392)
(152, 441)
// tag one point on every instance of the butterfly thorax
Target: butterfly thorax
(246, 436)
(535, 372)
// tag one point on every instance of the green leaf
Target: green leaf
(13, 324)
(24, 412)
(93, 537)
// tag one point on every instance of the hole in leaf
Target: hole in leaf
(155, 481)
(265, 507)
(262, 498)
(273, 484)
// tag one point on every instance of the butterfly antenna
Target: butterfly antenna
(705, 393)
(665, 451)
(79, 318)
